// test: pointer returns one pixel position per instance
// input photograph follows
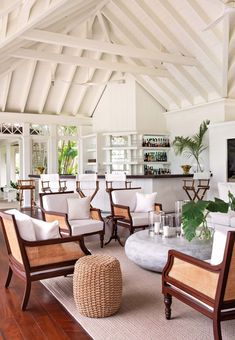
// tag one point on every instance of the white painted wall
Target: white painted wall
(116, 110)
(149, 117)
(186, 123)
(218, 135)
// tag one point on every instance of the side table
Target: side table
(114, 235)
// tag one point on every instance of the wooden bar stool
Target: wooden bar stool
(26, 184)
(87, 184)
(197, 187)
(114, 181)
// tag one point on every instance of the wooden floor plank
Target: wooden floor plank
(45, 317)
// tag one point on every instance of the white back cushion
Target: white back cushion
(25, 225)
(45, 230)
(125, 197)
(222, 223)
(145, 202)
(219, 242)
(57, 202)
(79, 208)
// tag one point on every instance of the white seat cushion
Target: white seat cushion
(145, 202)
(139, 218)
(57, 202)
(227, 219)
(126, 197)
(80, 227)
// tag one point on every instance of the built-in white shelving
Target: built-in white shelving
(91, 153)
(136, 153)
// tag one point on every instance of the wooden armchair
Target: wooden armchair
(123, 203)
(55, 207)
(37, 260)
(208, 289)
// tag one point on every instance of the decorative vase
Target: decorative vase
(40, 170)
(204, 233)
(186, 168)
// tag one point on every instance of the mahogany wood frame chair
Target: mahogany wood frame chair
(197, 187)
(210, 289)
(66, 225)
(89, 179)
(38, 260)
(123, 215)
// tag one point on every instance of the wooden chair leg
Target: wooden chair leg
(102, 240)
(217, 329)
(168, 302)
(9, 276)
(26, 295)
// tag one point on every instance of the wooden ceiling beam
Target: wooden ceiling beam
(87, 62)
(105, 47)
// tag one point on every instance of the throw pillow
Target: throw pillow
(78, 208)
(25, 225)
(145, 202)
(45, 230)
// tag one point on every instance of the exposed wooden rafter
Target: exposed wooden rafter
(74, 60)
(101, 46)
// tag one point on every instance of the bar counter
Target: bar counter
(168, 187)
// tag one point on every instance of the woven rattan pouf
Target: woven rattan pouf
(97, 285)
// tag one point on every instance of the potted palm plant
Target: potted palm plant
(192, 147)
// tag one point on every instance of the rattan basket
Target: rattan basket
(97, 285)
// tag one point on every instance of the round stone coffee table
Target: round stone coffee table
(151, 252)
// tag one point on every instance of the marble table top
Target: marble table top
(151, 252)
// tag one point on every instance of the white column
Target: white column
(8, 164)
(27, 159)
(2, 167)
(52, 154)
(26, 151)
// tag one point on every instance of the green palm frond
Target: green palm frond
(192, 146)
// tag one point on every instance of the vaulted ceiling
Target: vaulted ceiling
(51, 50)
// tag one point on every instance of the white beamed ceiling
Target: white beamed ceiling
(161, 43)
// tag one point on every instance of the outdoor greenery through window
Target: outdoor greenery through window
(67, 150)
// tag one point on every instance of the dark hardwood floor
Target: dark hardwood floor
(45, 318)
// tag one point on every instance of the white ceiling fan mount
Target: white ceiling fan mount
(229, 7)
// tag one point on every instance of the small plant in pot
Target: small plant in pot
(194, 216)
(192, 147)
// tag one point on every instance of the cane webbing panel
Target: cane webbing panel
(195, 277)
(54, 253)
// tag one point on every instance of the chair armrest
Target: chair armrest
(50, 216)
(184, 271)
(96, 214)
(122, 210)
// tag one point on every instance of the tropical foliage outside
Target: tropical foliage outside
(67, 157)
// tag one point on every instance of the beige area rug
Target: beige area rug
(142, 311)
